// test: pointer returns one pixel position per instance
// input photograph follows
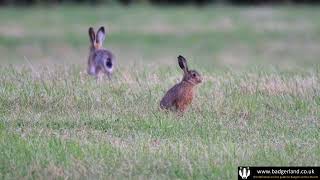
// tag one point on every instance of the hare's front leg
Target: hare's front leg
(109, 75)
(181, 106)
(99, 77)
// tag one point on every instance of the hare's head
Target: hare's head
(96, 40)
(190, 76)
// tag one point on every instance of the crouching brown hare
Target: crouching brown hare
(100, 61)
(180, 96)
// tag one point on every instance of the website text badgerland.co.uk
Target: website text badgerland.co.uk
(273, 172)
(286, 172)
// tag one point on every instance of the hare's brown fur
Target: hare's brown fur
(180, 96)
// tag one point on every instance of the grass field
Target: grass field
(259, 103)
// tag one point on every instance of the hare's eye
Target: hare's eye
(109, 63)
(193, 75)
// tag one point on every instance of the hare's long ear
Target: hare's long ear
(101, 34)
(183, 64)
(92, 36)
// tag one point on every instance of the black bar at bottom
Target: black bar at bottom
(251, 172)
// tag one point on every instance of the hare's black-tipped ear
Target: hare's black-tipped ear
(101, 34)
(92, 35)
(183, 63)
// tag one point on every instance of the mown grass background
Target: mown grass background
(259, 103)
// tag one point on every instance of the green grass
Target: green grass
(258, 105)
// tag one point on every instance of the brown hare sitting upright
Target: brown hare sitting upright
(100, 60)
(180, 95)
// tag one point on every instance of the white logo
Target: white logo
(244, 173)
